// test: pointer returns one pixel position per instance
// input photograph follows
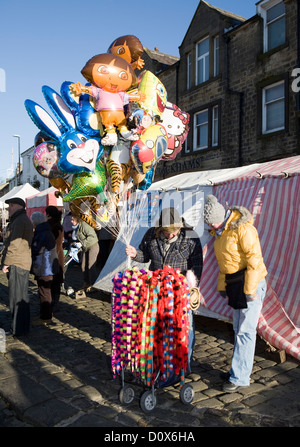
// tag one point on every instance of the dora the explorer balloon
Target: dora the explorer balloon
(111, 76)
(130, 48)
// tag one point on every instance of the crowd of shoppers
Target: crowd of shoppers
(36, 246)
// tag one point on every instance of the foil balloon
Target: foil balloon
(176, 123)
(155, 94)
(83, 108)
(62, 185)
(130, 48)
(110, 77)
(150, 148)
(148, 179)
(117, 163)
(40, 138)
(45, 160)
(88, 184)
(78, 152)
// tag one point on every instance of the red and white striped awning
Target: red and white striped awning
(272, 194)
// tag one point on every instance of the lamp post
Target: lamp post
(19, 170)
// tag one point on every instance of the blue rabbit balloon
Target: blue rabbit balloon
(78, 152)
(84, 110)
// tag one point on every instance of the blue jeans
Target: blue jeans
(244, 325)
(191, 339)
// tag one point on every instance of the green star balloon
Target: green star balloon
(88, 184)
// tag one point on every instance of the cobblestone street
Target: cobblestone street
(60, 376)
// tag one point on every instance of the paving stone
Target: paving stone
(64, 371)
(50, 413)
(208, 403)
(92, 420)
(199, 386)
(229, 397)
(91, 393)
(22, 392)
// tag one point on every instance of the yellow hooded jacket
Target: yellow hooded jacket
(238, 248)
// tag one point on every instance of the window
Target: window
(273, 103)
(215, 126)
(201, 130)
(216, 55)
(206, 128)
(188, 71)
(273, 13)
(202, 61)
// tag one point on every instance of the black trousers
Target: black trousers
(44, 286)
(19, 300)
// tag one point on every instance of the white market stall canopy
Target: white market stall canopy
(22, 191)
(43, 199)
(271, 191)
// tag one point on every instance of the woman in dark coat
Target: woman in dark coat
(54, 216)
(44, 263)
(172, 242)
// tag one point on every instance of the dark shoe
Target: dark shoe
(230, 387)
(225, 376)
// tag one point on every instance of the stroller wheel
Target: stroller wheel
(186, 394)
(148, 401)
(126, 395)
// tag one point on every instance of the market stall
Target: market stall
(271, 191)
(40, 201)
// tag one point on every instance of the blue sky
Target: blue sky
(48, 42)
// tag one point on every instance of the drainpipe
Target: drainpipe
(241, 98)
(177, 86)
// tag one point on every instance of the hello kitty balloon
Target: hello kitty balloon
(176, 122)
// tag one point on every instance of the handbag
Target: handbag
(235, 289)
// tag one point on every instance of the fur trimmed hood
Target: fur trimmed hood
(239, 216)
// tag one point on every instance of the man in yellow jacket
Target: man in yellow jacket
(241, 279)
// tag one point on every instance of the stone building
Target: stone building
(236, 79)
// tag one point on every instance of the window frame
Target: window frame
(263, 8)
(189, 71)
(265, 131)
(195, 133)
(213, 121)
(205, 58)
(211, 108)
(216, 44)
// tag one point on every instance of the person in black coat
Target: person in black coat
(172, 242)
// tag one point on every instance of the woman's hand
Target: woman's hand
(130, 251)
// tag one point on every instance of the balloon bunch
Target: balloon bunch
(111, 132)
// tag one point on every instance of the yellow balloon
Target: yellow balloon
(155, 94)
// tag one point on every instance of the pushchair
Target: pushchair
(150, 329)
(73, 254)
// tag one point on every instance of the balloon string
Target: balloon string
(123, 223)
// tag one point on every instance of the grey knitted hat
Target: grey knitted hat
(169, 217)
(214, 212)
